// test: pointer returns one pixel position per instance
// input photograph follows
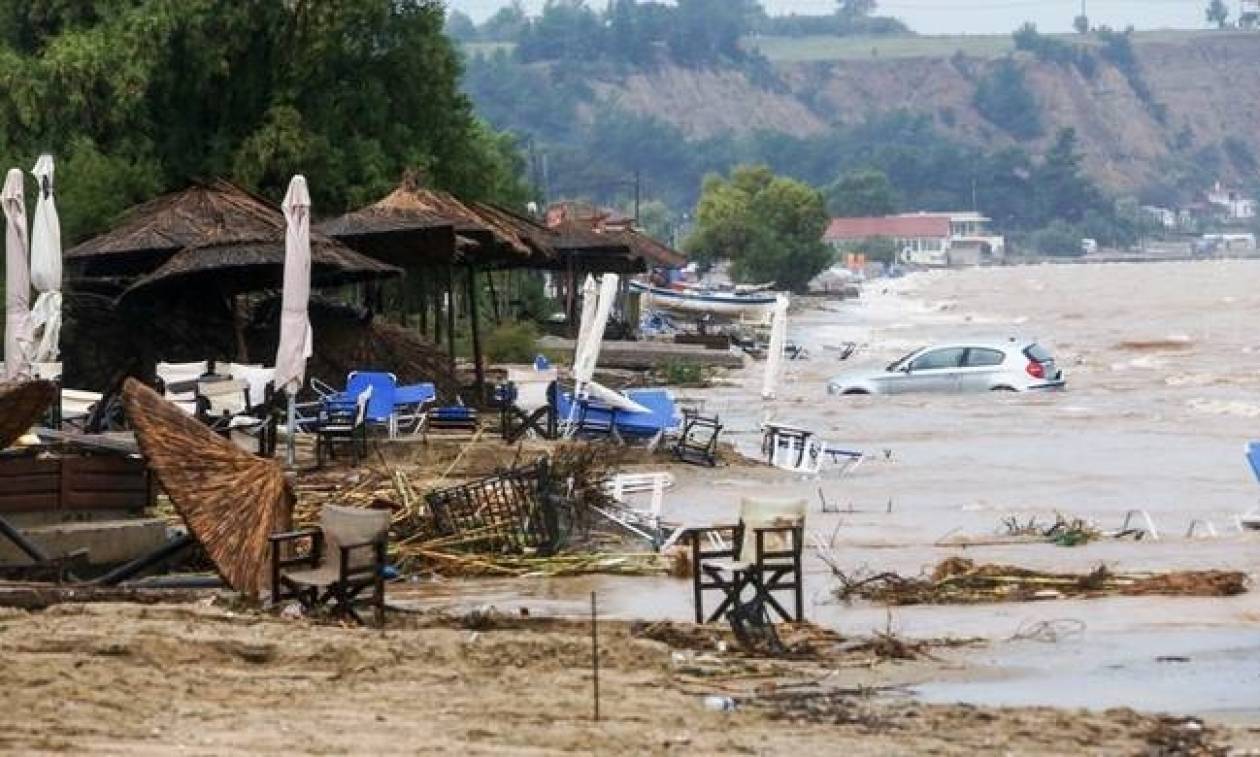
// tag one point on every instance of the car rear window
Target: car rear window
(978, 357)
(1039, 353)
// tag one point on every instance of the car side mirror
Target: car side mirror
(907, 368)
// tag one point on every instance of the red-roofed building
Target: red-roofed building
(936, 239)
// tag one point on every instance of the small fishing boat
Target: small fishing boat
(700, 301)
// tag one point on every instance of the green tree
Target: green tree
(769, 227)
(862, 192)
(142, 95)
(507, 24)
(1063, 192)
(1218, 13)
(459, 26)
(854, 9)
(1003, 97)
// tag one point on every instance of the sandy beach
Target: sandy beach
(1160, 401)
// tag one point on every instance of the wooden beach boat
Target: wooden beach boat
(698, 301)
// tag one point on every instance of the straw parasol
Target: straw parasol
(253, 264)
(230, 500)
(417, 225)
(21, 405)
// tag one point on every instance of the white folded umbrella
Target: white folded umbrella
(46, 266)
(774, 356)
(296, 339)
(17, 285)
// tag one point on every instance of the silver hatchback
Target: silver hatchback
(965, 367)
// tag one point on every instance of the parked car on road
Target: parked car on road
(1016, 366)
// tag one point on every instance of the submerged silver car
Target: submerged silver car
(965, 367)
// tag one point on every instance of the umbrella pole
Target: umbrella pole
(291, 451)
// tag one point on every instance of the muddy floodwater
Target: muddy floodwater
(1163, 370)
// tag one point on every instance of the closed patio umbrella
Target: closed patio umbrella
(593, 338)
(296, 340)
(46, 266)
(774, 355)
(17, 289)
(590, 298)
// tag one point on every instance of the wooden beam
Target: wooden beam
(450, 314)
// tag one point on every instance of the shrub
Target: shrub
(512, 343)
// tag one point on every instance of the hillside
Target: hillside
(1203, 90)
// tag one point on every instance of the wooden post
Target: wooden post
(422, 302)
(494, 299)
(450, 314)
(474, 318)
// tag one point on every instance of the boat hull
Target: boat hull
(704, 303)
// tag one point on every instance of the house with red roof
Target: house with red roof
(931, 239)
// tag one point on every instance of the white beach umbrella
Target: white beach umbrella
(46, 266)
(17, 285)
(774, 356)
(590, 299)
(296, 339)
(588, 353)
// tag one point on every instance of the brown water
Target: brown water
(1161, 361)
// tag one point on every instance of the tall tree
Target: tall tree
(853, 9)
(769, 227)
(1218, 13)
(142, 95)
(862, 192)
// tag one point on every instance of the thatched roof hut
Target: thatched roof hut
(216, 229)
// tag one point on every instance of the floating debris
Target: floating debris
(961, 581)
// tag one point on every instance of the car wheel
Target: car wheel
(854, 391)
(1002, 389)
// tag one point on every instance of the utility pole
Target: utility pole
(637, 184)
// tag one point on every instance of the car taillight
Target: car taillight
(1036, 370)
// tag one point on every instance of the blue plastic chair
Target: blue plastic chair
(1253, 457)
(662, 415)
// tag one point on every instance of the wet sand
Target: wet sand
(203, 680)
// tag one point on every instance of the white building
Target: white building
(1236, 206)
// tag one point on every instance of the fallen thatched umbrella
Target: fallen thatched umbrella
(21, 405)
(230, 500)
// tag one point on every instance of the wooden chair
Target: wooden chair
(345, 557)
(698, 440)
(342, 422)
(761, 554)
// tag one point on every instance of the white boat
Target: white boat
(732, 304)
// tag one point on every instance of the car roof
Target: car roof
(1011, 344)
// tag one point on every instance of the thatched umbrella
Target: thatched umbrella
(255, 264)
(46, 265)
(17, 290)
(230, 500)
(418, 226)
(149, 234)
(21, 405)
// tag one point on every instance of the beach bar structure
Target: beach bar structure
(433, 235)
(435, 254)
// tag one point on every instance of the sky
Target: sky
(972, 16)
